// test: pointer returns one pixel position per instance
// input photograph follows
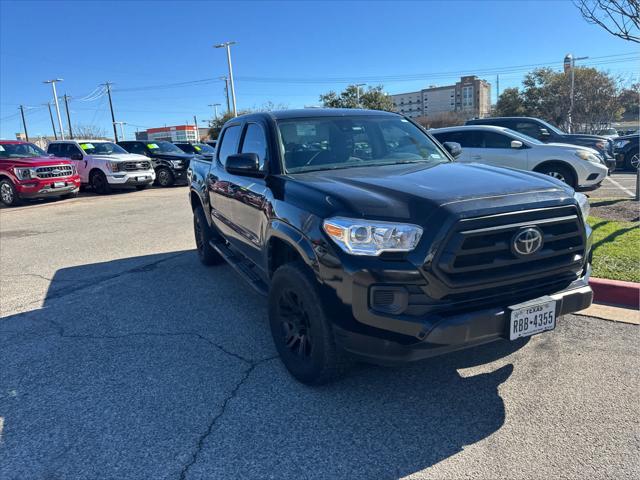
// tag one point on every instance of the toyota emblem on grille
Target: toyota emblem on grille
(527, 241)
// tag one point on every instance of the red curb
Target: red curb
(616, 292)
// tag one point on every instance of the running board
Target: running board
(242, 267)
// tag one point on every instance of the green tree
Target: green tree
(629, 100)
(510, 104)
(374, 98)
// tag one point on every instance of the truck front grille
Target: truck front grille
(134, 166)
(478, 251)
(54, 171)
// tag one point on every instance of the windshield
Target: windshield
(163, 147)
(204, 148)
(328, 143)
(101, 148)
(20, 150)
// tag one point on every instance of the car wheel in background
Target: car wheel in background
(8, 194)
(203, 235)
(300, 326)
(632, 160)
(99, 182)
(560, 173)
(164, 177)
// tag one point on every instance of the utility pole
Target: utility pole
(226, 91)
(227, 45)
(570, 64)
(215, 109)
(53, 125)
(497, 87)
(195, 122)
(113, 117)
(55, 100)
(358, 85)
(24, 123)
(121, 129)
(66, 107)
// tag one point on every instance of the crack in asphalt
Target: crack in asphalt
(232, 394)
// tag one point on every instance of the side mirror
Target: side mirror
(453, 148)
(76, 156)
(516, 144)
(544, 132)
(247, 164)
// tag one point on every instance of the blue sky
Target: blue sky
(287, 52)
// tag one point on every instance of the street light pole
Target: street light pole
(121, 129)
(226, 91)
(24, 123)
(227, 45)
(55, 100)
(570, 63)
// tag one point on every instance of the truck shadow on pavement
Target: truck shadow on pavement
(157, 367)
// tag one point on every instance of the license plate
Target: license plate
(141, 179)
(532, 317)
(58, 184)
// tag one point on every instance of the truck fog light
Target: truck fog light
(388, 299)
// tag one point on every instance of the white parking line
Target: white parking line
(625, 190)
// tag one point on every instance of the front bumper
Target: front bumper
(448, 333)
(131, 178)
(42, 188)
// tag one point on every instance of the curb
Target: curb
(616, 292)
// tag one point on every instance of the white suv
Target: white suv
(105, 165)
(580, 167)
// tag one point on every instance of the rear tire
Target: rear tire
(301, 328)
(8, 194)
(203, 235)
(559, 172)
(165, 177)
(99, 183)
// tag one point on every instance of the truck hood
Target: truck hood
(414, 191)
(584, 137)
(174, 156)
(36, 161)
(121, 157)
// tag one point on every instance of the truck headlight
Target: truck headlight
(176, 163)
(588, 156)
(24, 173)
(362, 237)
(583, 203)
(114, 166)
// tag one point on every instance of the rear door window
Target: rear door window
(229, 143)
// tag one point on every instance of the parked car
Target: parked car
(103, 165)
(202, 149)
(627, 151)
(608, 132)
(369, 241)
(169, 162)
(27, 172)
(580, 167)
(547, 133)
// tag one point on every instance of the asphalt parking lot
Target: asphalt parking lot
(122, 357)
(620, 184)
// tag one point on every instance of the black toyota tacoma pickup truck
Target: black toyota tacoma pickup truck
(371, 242)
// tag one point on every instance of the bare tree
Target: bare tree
(618, 17)
(89, 131)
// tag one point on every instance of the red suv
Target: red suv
(26, 171)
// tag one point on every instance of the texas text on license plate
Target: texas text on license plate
(532, 317)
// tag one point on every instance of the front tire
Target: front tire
(561, 173)
(8, 194)
(632, 161)
(99, 183)
(203, 235)
(165, 177)
(300, 326)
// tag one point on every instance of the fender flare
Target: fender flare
(295, 239)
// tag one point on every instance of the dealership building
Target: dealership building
(470, 97)
(177, 133)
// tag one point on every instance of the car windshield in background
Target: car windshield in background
(329, 143)
(20, 150)
(101, 148)
(204, 148)
(163, 147)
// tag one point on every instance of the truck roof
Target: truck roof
(318, 112)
